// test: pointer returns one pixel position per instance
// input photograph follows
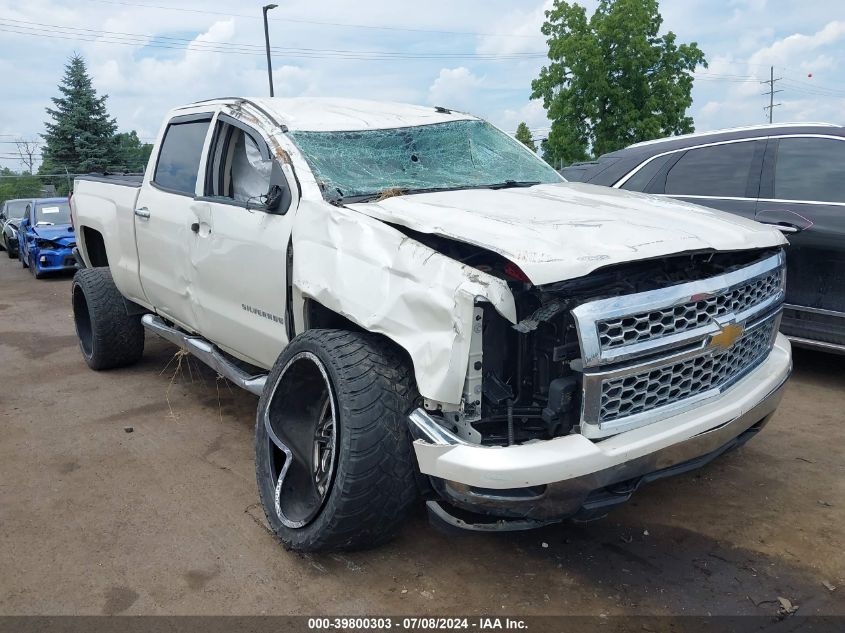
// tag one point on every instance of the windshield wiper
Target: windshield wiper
(402, 191)
(510, 184)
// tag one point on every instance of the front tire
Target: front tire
(33, 268)
(334, 461)
(24, 263)
(108, 336)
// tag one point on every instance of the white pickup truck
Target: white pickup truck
(426, 309)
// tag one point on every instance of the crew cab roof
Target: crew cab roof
(322, 114)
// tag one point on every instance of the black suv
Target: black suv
(789, 175)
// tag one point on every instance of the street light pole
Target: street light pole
(265, 9)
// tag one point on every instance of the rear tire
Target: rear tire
(356, 495)
(108, 336)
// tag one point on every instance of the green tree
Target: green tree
(80, 136)
(132, 154)
(14, 185)
(612, 80)
(523, 135)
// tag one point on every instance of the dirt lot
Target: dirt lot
(165, 520)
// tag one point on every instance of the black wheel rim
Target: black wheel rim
(82, 319)
(302, 437)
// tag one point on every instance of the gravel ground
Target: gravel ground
(165, 519)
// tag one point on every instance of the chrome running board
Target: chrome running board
(207, 353)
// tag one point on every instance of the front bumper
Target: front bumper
(54, 260)
(562, 477)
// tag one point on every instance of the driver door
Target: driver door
(240, 256)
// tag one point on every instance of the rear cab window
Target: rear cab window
(181, 153)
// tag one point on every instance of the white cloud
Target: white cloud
(532, 113)
(524, 25)
(455, 88)
(784, 52)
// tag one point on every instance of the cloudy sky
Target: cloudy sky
(149, 55)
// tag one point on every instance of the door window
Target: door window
(240, 168)
(810, 169)
(720, 171)
(180, 155)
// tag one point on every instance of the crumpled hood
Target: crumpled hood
(60, 233)
(567, 230)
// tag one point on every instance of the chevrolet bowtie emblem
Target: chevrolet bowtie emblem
(727, 336)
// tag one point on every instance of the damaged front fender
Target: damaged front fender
(387, 282)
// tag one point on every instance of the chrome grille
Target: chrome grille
(645, 326)
(654, 354)
(630, 395)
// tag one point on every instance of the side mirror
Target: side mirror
(278, 195)
(274, 199)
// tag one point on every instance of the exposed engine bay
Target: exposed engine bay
(524, 380)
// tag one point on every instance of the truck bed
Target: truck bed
(104, 207)
(125, 180)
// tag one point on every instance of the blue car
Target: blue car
(46, 237)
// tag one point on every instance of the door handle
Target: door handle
(786, 220)
(195, 227)
(784, 228)
(143, 212)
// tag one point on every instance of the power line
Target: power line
(315, 22)
(53, 31)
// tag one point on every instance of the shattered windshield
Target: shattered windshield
(453, 155)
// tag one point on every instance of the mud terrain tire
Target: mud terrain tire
(108, 336)
(372, 486)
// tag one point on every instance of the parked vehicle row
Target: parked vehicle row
(39, 232)
(789, 175)
(426, 308)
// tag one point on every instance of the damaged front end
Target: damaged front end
(619, 349)
(525, 380)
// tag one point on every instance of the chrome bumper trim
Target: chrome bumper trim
(570, 498)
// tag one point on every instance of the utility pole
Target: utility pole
(771, 81)
(264, 10)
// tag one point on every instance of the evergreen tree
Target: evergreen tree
(523, 135)
(80, 137)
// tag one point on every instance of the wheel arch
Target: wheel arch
(92, 247)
